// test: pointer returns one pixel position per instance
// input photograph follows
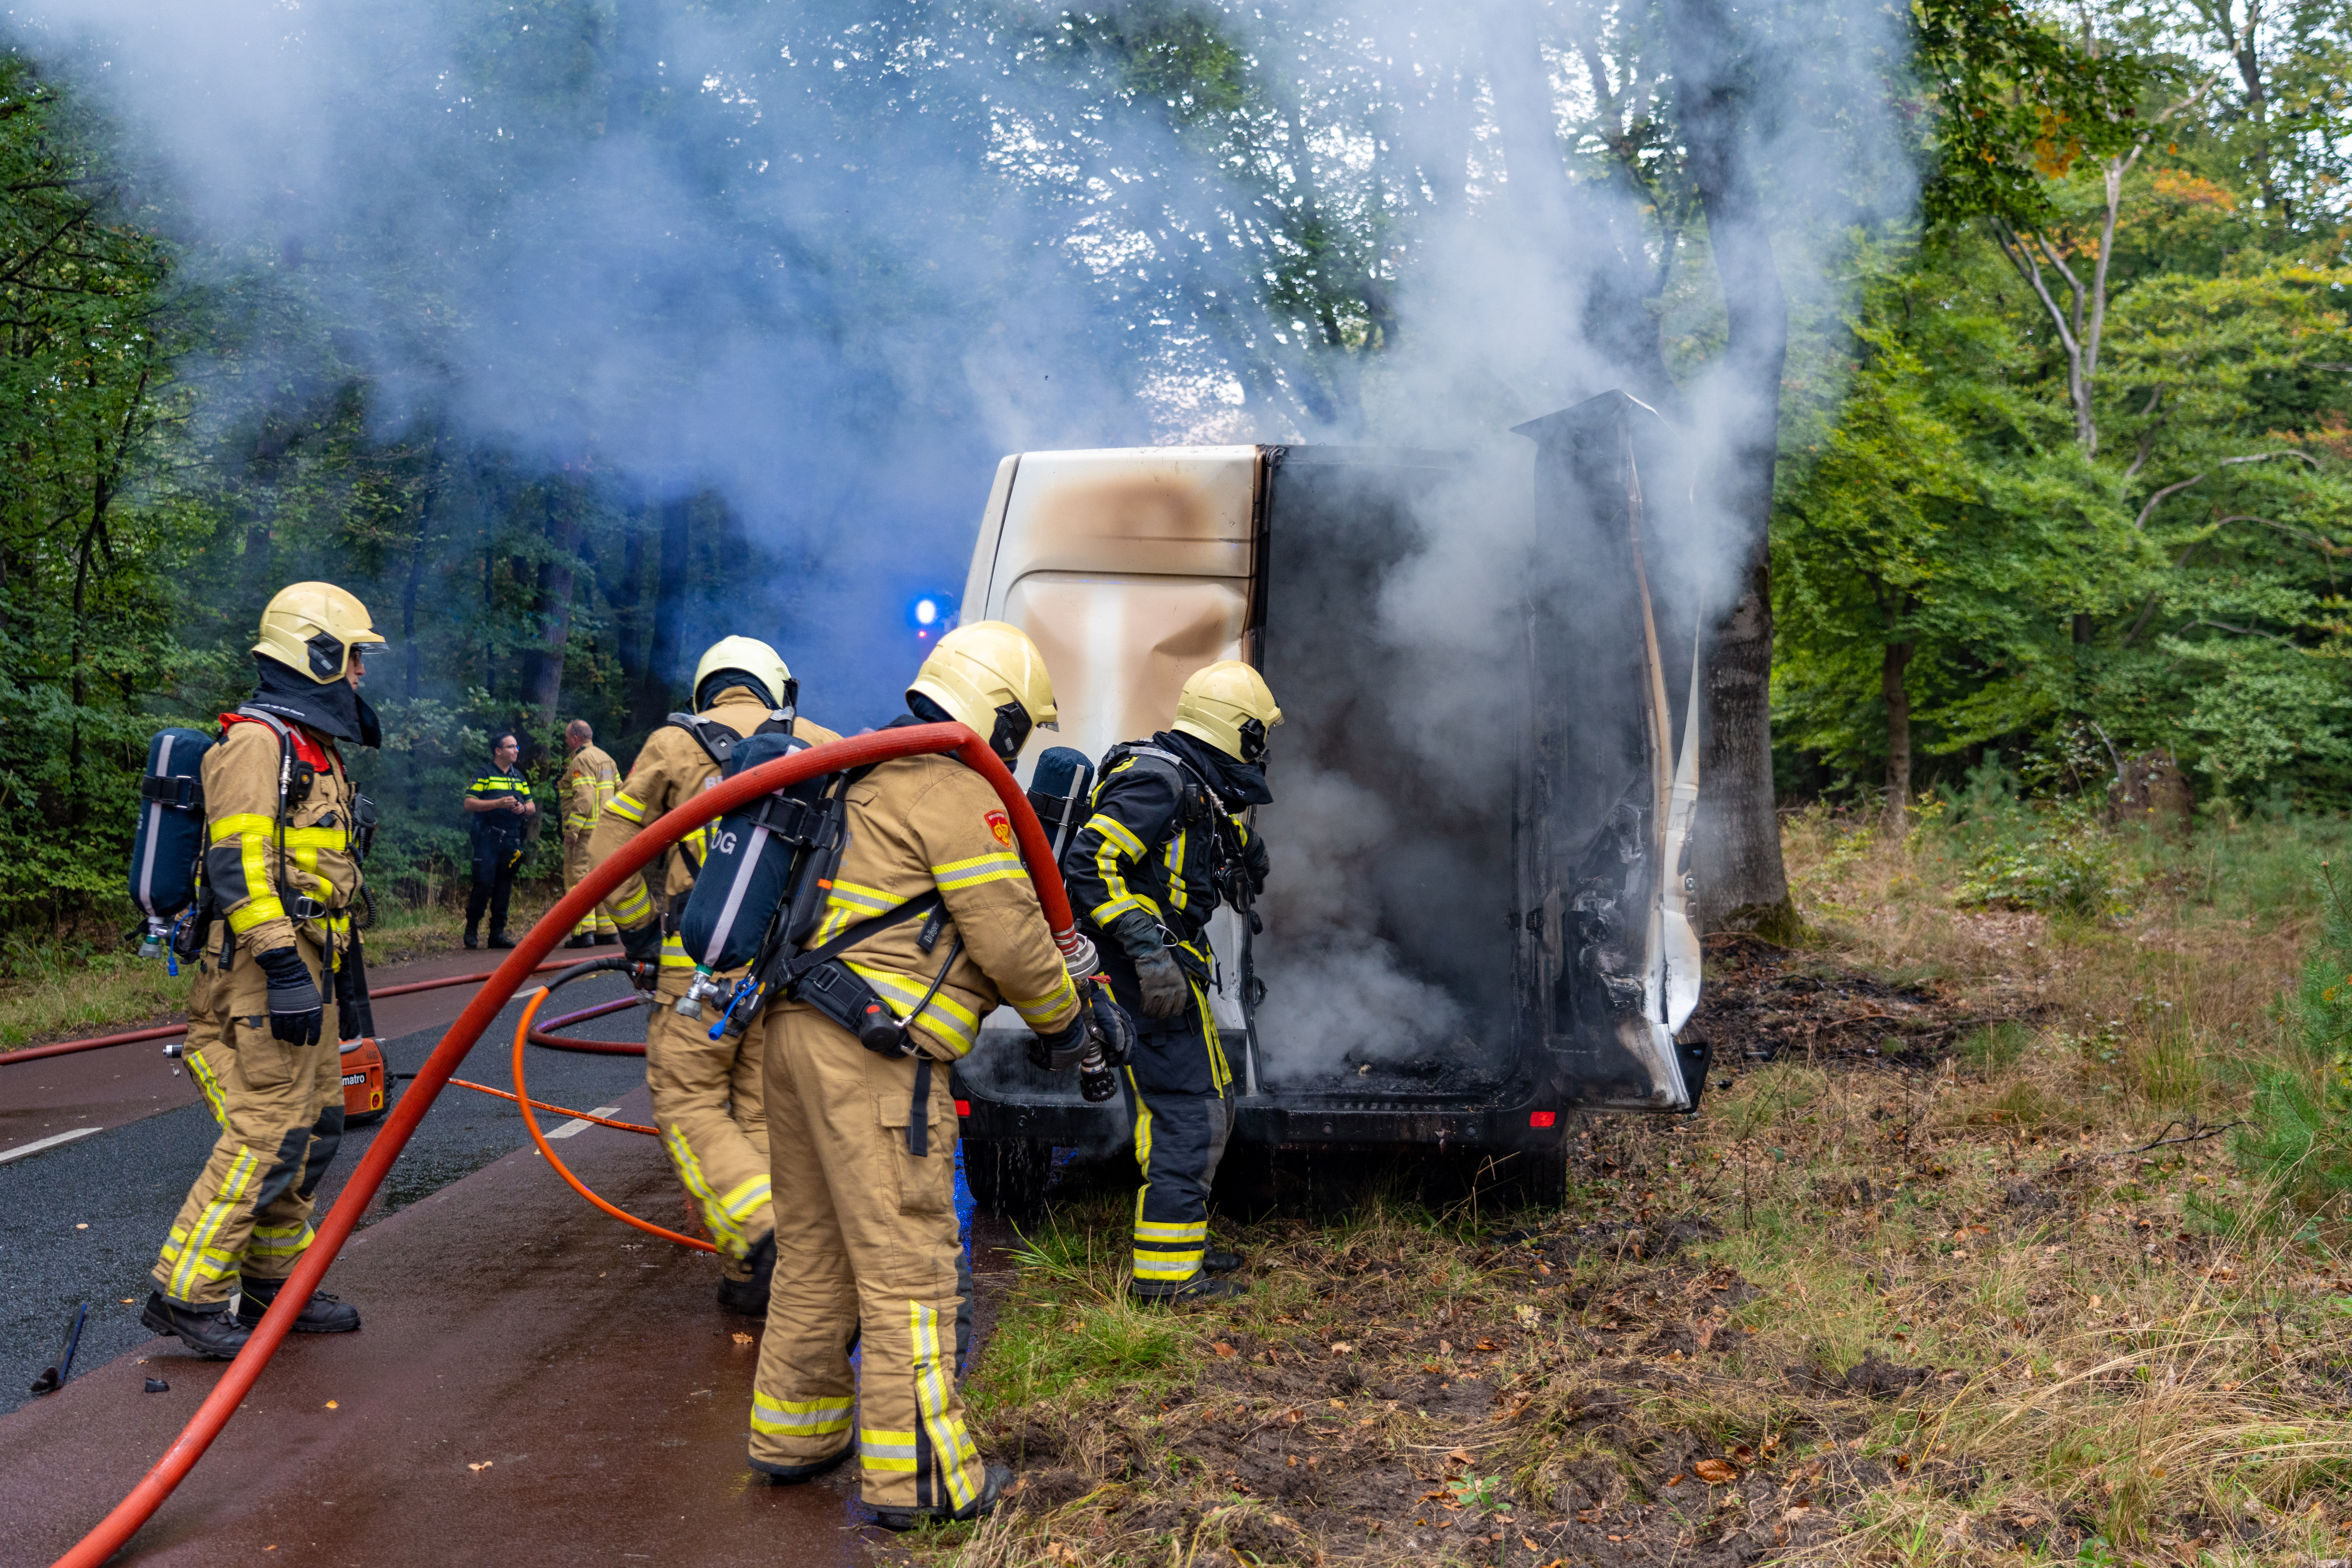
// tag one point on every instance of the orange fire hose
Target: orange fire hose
(522, 1039)
(118, 1527)
(557, 1109)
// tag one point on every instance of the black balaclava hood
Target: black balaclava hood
(335, 708)
(1238, 783)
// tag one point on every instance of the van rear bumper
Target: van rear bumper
(1281, 1121)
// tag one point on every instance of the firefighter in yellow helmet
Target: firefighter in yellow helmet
(590, 780)
(1169, 839)
(284, 831)
(706, 1092)
(862, 1124)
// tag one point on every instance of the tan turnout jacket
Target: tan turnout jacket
(241, 863)
(672, 767)
(589, 779)
(923, 822)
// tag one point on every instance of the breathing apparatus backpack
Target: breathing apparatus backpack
(753, 853)
(762, 894)
(1061, 791)
(168, 849)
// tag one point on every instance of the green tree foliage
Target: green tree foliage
(88, 544)
(2092, 474)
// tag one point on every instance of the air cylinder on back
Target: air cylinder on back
(753, 851)
(170, 835)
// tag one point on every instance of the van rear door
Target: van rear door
(1130, 568)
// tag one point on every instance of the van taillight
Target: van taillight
(1540, 1118)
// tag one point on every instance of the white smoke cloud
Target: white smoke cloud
(1336, 993)
(831, 260)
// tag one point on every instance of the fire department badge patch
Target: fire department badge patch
(1001, 825)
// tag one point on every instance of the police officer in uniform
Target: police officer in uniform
(1169, 837)
(280, 871)
(497, 805)
(863, 1137)
(706, 1093)
(589, 780)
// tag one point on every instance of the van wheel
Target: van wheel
(1543, 1182)
(1008, 1176)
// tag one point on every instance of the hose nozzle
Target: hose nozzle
(1096, 1080)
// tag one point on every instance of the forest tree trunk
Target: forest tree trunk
(1741, 878)
(668, 652)
(544, 678)
(1892, 664)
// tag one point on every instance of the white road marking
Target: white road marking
(38, 1144)
(577, 1124)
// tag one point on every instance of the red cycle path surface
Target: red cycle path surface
(582, 1366)
(122, 1083)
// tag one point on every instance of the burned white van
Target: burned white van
(1478, 915)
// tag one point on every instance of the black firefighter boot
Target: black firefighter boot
(1201, 1287)
(321, 1314)
(213, 1332)
(995, 1481)
(749, 1296)
(473, 941)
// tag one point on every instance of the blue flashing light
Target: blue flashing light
(930, 615)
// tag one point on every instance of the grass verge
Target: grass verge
(60, 990)
(1968, 1264)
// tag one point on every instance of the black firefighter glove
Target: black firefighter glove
(1255, 863)
(1114, 1031)
(1166, 990)
(643, 944)
(297, 1014)
(1065, 1048)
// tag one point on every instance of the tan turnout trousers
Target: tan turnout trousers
(706, 1092)
(577, 863)
(710, 1105)
(280, 1110)
(868, 1236)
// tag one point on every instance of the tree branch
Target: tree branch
(2266, 456)
(2141, 522)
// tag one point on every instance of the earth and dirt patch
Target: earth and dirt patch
(1957, 1268)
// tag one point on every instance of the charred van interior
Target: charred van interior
(1483, 791)
(1385, 960)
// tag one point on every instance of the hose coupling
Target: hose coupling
(704, 987)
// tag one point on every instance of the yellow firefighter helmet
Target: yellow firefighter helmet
(763, 669)
(1229, 705)
(313, 626)
(990, 677)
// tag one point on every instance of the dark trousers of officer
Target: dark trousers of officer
(494, 869)
(1179, 1099)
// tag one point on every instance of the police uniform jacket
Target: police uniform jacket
(589, 780)
(497, 834)
(919, 823)
(672, 766)
(248, 881)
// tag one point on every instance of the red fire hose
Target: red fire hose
(539, 1037)
(135, 1510)
(68, 1047)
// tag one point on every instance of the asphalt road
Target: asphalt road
(85, 1218)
